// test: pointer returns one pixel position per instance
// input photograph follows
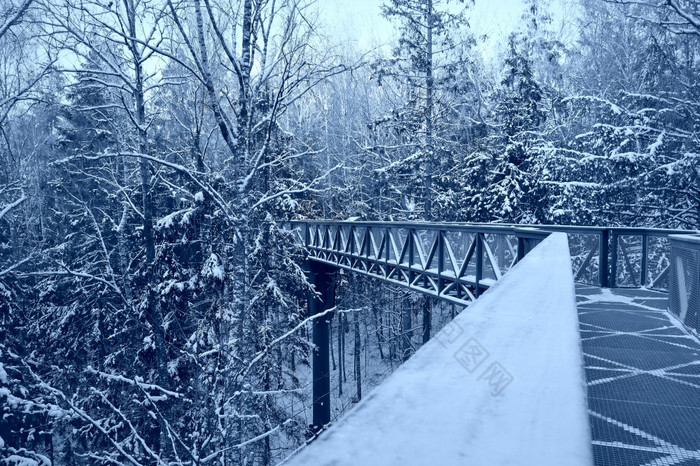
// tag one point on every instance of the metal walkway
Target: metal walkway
(642, 367)
(643, 374)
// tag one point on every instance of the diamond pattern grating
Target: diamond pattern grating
(643, 376)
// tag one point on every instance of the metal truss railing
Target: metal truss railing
(457, 262)
(454, 263)
(617, 257)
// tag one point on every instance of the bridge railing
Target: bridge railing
(612, 257)
(455, 263)
(618, 257)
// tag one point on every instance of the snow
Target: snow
(3, 375)
(17, 460)
(213, 268)
(12, 205)
(168, 220)
(503, 383)
(607, 296)
(654, 147)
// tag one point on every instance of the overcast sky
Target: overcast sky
(360, 21)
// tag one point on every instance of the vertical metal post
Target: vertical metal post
(644, 266)
(411, 247)
(387, 253)
(441, 260)
(603, 252)
(351, 240)
(369, 249)
(479, 253)
(521, 249)
(500, 242)
(322, 277)
(613, 259)
(528, 239)
(369, 238)
(351, 247)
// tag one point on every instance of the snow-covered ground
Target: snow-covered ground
(501, 384)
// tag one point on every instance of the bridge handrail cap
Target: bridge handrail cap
(693, 239)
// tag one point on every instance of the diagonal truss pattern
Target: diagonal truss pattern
(453, 263)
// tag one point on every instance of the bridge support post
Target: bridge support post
(528, 239)
(613, 259)
(322, 277)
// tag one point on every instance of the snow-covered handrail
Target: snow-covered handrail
(503, 383)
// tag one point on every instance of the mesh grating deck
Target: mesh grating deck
(643, 375)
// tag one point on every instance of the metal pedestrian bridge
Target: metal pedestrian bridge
(653, 269)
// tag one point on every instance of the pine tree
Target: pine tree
(513, 190)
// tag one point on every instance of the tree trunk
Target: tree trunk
(358, 368)
(429, 93)
(427, 319)
(406, 327)
(378, 322)
(152, 310)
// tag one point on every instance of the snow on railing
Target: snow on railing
(503, 383)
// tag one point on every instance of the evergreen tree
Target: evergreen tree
(514, 191)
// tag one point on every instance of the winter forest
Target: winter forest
(153, 308)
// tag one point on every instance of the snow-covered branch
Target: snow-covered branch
(12, 205)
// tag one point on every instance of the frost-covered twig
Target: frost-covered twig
(135, 382)
(15, 18)
(83, 415)
(12, 205)
(277, 340)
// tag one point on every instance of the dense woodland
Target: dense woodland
(152, 307)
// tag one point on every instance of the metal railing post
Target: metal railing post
(479, 263)
(370, 239)
(645, 246)
(351, 240)
(527, 240)
(411, 247)
(521, 249)
(613, 259)
(441, 261)
(387, 252)
(603, 258)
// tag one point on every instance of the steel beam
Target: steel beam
(323, 241)
(603, 251)
(322, 276)
(613, 259)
